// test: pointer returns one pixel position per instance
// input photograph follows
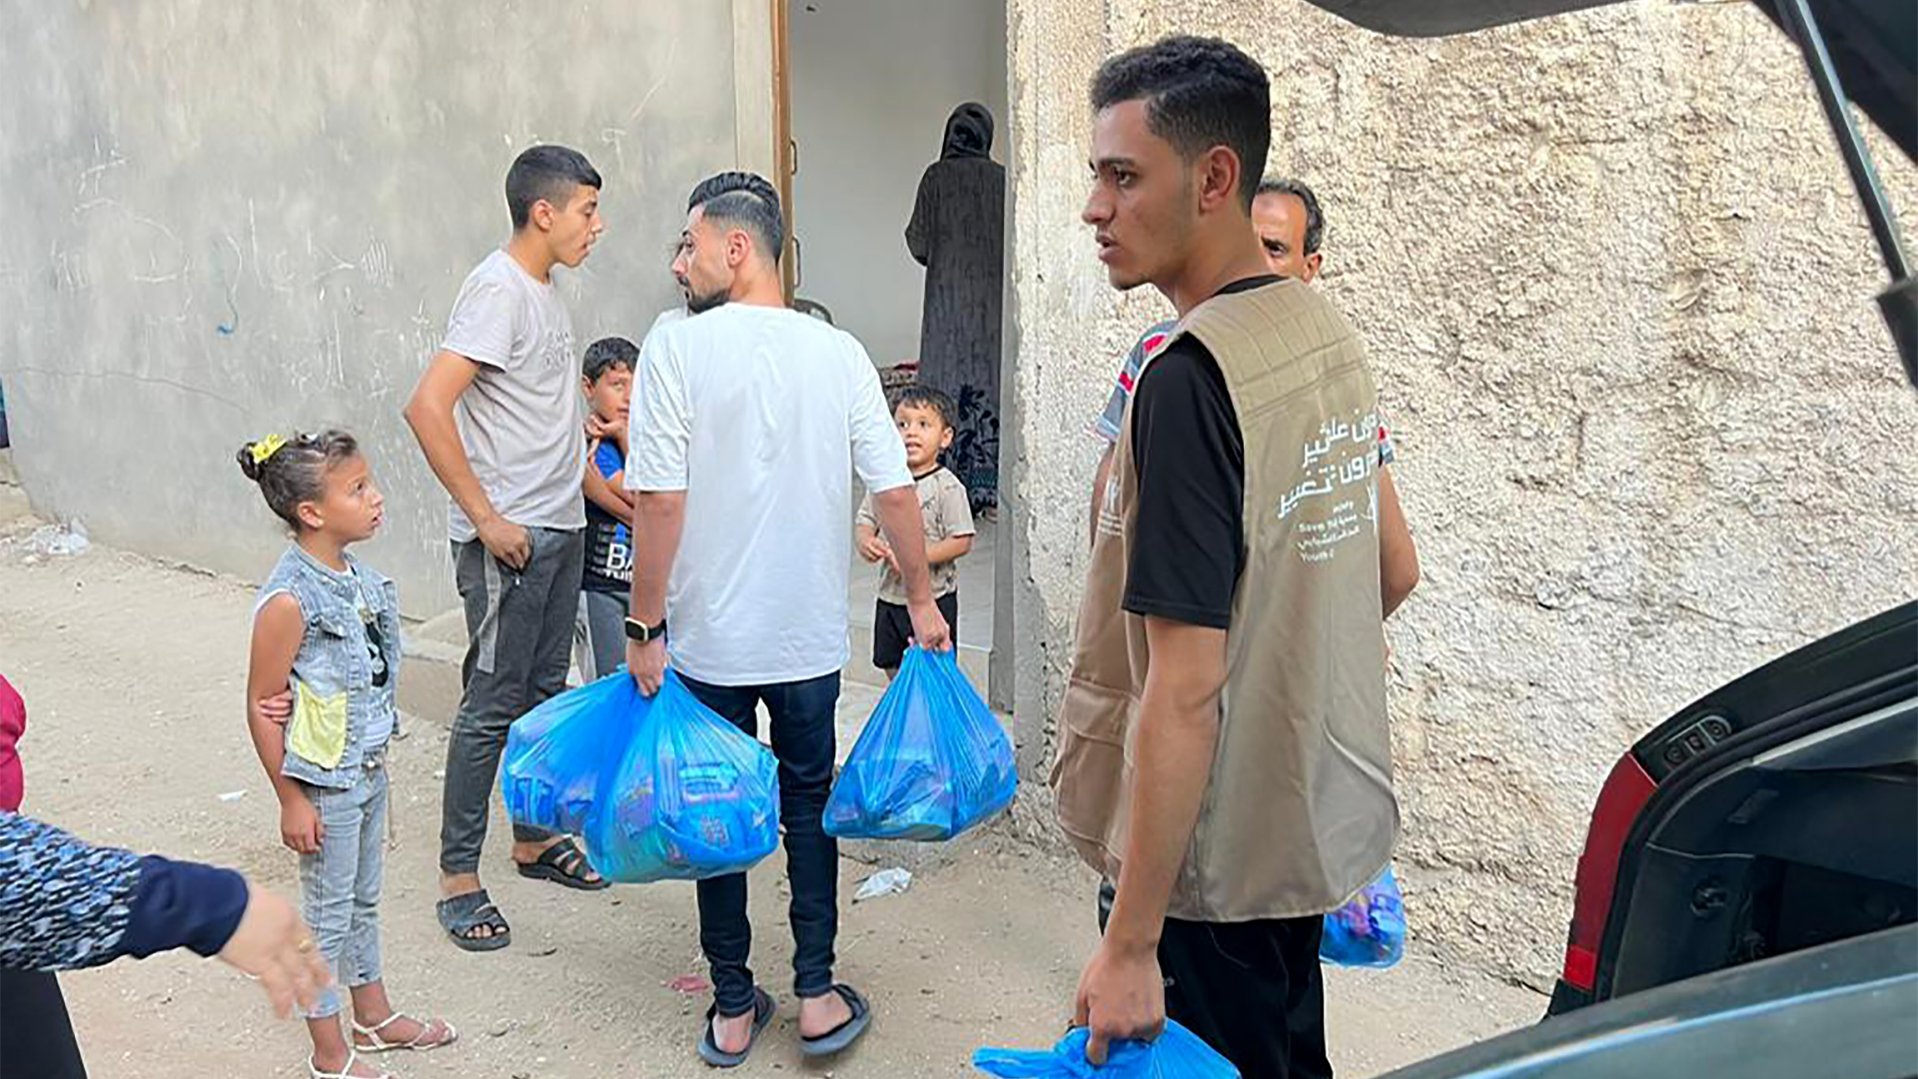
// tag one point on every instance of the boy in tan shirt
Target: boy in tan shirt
(925, 423)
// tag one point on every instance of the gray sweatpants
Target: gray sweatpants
(519, 626)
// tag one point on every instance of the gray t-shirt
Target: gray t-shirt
(946, 512)
(523, 419)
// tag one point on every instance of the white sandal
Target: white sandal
(352, 1057)
(381, 1045)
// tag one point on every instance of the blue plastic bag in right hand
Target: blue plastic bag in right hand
(932, 762)
(1368, 931)
(1176, 1054)
(692, 797)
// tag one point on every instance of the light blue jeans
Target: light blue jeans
(340, 886)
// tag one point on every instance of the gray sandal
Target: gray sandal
(462, 914)
(764, 1008)
(841, 1037)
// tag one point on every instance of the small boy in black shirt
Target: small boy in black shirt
(607, 577)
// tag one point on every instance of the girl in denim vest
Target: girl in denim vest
(326, 633)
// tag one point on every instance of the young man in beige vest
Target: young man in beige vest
(1223, 748)
(1286, 215)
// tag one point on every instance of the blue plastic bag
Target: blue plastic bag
(560, 754)
(931, 763)
(1176, 1054)
(1368, 931)
(692, 796)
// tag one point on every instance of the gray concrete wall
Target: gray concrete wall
(226, 219)
(1617, 294)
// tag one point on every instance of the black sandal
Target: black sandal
(841, 1037)
(565, 864)
(764, 1008)
(462, 914)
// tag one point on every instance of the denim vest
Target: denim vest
(333, 672)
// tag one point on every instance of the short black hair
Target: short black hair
(1200, 92)
(745, 199)
(917, 396)
(1314, 218)
(607, 353)
(546, 172)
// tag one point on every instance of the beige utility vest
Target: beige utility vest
(1299, 814)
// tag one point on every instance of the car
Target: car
(1840, 1009)
(1775, 814)
(1747, 898)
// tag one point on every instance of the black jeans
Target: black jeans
(1251, 990)
(36, 1037)
(803, 740)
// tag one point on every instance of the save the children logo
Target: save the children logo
(1342, 461)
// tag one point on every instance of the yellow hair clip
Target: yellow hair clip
(264, 449)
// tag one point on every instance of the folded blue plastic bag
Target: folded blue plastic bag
(1176, 1054)
(931, 763)
(560, 754)
(1368, 931)
(692, 796)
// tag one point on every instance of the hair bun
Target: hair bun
(247, 465)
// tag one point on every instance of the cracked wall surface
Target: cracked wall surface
(223, 220)
(1617, 294)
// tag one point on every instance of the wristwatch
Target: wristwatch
(643, 633)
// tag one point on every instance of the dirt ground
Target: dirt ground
(133, 676)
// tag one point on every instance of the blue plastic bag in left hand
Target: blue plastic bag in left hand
(932, 762)
(561, 754)
(1176, 1054)
(1368, 931)
(693, 797)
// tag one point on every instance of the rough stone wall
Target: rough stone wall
(1617, 293)
(222, 220)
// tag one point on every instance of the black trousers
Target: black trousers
(1251, 990)
(36, 1037)
(803, 739)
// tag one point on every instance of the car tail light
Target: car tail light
(1619, 801)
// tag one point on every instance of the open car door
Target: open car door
(1777, 813)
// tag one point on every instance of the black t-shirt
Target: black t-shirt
(609, 542)
(1189, 455)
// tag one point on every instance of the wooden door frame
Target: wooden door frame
(1003, 673)
(783, 149)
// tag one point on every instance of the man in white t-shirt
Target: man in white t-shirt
(501, 420)
(748, 421)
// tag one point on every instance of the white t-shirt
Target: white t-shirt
(523, 421)
(761, 415)
(667, 318)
